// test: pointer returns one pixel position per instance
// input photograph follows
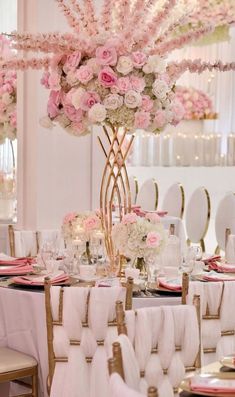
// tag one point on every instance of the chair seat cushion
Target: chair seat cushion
(12, 360)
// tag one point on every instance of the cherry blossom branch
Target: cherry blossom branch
(181, 41)
(89, 17)
(72, 20)
(176, 69)
(106, 14)
(23, 64)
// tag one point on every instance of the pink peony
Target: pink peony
(69, 217)
(45, 79)
(92, 222)
(147, 103)
(88, 99)
(160, 118)
(53, 104)
(84, 74)
(73, 60)
(142, 120)
(138, 83)
(138, 59)
(153, 240)
(107, 77)
(153, 217)
(129, 218)
(106, 55)
(123, 85)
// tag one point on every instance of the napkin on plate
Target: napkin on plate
(212, 385)
(173, 284)
(15, 270)
(214, 276)
(10, 261)
(55, 278)
(222, 267)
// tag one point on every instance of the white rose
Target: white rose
(46, 122)
(155, 64)
(113, 101)
(7, 98)
(125, 65)
(72, 79)
(93, 65)
(97, 113)
(76, 97)
(160, 89)
(132, 99)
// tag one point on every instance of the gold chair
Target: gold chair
(14, 366)
(51, 322)
(13, 251)
(134, 188)
(174, 200)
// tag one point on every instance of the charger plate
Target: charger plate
(185, 387)
(228, 361)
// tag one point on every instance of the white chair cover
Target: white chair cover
(173, 201)
(198, 215)
(147, 197)
(133, 188)
(25, 243)
(79, 377)
(118, 388)
(225, 218)
(217, 298)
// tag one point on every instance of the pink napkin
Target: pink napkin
(213, 276)
(212, 385)
(18, 261)
(14, 270)
(60, 277)
(171, 284)
(138, 211)
(222, 268)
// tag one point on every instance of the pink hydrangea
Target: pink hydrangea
(106, 55)
(142, 120)
(129, 218)
(153, 240)
(69, 217)
(107, 77)
(160, 118)
(88, 99)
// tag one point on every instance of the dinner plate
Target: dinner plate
(87, 279)
(37, 285)
(228, 361)
(162, 290)
(185, 387)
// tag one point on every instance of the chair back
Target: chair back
(174, 200)
(133, 188)
(81, 326)
(225, 219)
(23, 243)
(198, 216)
(147, 197)
(217, 319)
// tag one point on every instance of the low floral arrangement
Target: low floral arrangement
(139, 237)
(77, 224)
(197, 104)
(7, 96)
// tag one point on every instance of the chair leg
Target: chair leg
(35, 385)
(202, 243)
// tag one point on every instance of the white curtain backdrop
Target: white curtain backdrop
(8, 23)
(220, 86)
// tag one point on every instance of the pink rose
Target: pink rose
(72, 113)
(147, 103)
(69, 217)
(91, 223)
(142, 120)
(138, 83)
(53, 103)
(107, 77)
(138, 59)
(45, 79)
(153, 217)
(153, 240)
(84, 74)
(123, 85)
(88, 99)
(160, 118)
(129, 218)
(106, 55)
(73, 60)
(54, 81)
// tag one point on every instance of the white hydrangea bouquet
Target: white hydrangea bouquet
(139, 237)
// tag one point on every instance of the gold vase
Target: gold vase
(115, 182)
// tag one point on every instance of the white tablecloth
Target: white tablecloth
(23, 325)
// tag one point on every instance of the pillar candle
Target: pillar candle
(156, 150)
(165, 150)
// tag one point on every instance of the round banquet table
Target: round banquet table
(23, 326)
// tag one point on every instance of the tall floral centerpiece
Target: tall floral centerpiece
(112, 71)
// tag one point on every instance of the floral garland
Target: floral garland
(197, 105)
(112, 68)
(7, 96)
(138, 237)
